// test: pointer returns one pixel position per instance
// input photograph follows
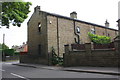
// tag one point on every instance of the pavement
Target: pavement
(99, 70)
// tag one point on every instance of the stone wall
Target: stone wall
(56, 31)
(37, 38)
(88, 57)
(33, 59)
(60, 31)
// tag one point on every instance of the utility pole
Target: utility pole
(119, 26)
(3, 54)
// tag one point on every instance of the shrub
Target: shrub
(99, 39)
(56, 59)
(16, 53)
(9, 52)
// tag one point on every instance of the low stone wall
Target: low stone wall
(99, 58)
(88, 57)
(34, 59)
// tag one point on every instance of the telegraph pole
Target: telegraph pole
(119, 26)
(3, 54)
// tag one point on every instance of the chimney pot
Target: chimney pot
(73, 15)
(37, 8)
(106, 23)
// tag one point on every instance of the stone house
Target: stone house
(47, 30)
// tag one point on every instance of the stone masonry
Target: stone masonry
(47, 30)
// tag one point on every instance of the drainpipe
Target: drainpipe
(58, 38)
(78, 37)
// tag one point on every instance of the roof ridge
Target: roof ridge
(54, 14)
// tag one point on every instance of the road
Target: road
(26, 73)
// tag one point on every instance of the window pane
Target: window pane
(78, 30)
(92, 30)
(39, 27)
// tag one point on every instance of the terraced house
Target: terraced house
(47, 30)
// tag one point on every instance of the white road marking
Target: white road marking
(19, 76)
(2, 70)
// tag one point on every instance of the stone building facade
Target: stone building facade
(47, 30)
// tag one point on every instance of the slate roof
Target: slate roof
(57, 15)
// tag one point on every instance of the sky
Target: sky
(94, 11)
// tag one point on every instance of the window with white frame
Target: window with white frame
(92, 30)
(78, 29)
(39, 27)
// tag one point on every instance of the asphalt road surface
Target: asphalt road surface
(27, 73)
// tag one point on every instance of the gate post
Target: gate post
(88, 47)
(66, 48)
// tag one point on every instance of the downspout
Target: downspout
(106, 32)
(57, 37)
(94, 30)
(78, 37)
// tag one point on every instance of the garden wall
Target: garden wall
(89, 57)
(34, 59)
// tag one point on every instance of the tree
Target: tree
(3, 46)
(14, 13)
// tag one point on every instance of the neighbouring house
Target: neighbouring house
(21, 48)
(47, 30)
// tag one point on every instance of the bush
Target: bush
(16, 53)
(56, 60)
(99, 39)
(9, 52)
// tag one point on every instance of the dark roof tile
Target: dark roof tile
(53, 14)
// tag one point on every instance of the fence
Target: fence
(78, 46)
(94, 46)
(103, 46)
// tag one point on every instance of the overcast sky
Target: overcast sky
(94, 11)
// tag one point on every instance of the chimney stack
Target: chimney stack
(107, 23)
(73, 15)
(37, 8)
